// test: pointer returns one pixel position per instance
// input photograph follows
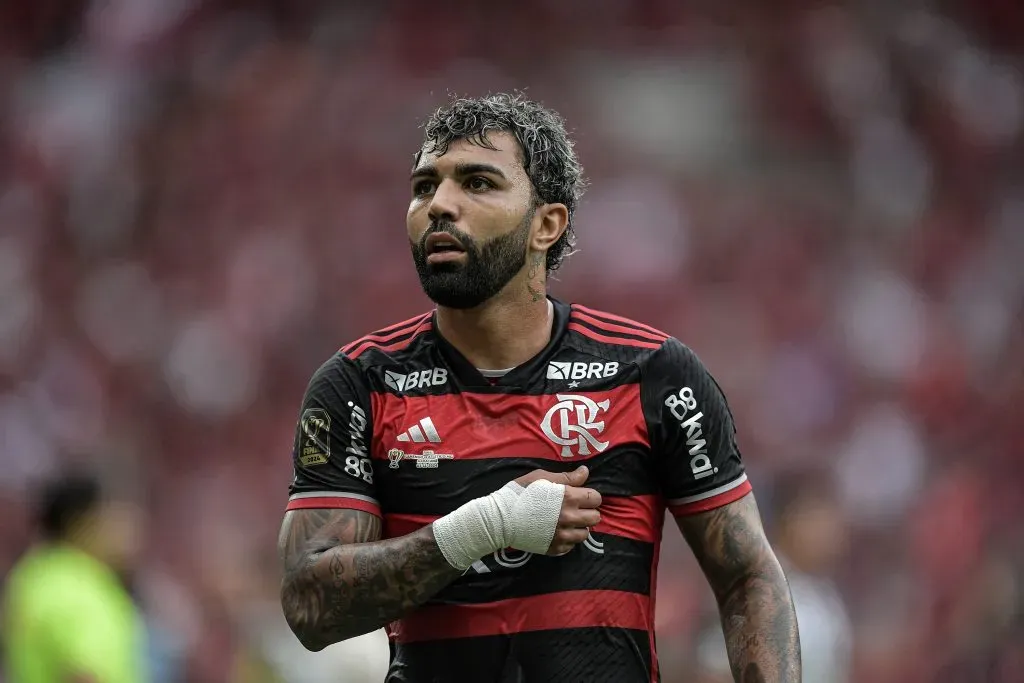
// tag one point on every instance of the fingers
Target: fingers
(566, 539)
(579, 518)
(581, 498)
(575, 521)
(527, 479)
(577, 477)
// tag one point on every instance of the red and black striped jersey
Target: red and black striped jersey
(399, 424)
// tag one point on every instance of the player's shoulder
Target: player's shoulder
(602, 331)
(356, 360)
(626, 339)
(384, 344)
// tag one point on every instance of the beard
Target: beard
(484, 272)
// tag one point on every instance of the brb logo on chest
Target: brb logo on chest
(572, 424)
(434, 377)
(567, 370)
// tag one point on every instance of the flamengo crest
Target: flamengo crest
(572, 424)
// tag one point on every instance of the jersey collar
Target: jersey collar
(520, 376)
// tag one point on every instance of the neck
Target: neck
(501, 333)
(73, 543)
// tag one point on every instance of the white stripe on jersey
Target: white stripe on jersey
(710, 494)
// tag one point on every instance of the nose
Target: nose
(445, 202)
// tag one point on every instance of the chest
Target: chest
(434, 452)
(560, 427)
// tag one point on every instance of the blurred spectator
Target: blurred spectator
(68, 615)
(811, 541)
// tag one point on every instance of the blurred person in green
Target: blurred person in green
(68, 616)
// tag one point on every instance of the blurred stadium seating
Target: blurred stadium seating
(200, 200)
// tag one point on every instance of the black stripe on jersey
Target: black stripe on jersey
(389, 335)
(400, 342)
(630, 336)
(586, 655)
(411, 322)
(487, 659)
(619, 471)
(612, 319)
(623, 565)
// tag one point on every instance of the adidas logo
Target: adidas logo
(422, 432)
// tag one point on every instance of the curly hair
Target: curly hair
(547, 152)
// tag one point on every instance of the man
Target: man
(67, 615)
(401, 511)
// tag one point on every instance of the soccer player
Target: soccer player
(67, 615)
(489, 479)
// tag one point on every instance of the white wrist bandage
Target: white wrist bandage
(512, 516)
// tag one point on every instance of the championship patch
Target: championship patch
(316, 437)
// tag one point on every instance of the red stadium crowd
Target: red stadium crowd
(201, 201)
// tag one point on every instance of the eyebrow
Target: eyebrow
(465, 169)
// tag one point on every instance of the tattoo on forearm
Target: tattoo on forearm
(339, 583)
(752, 592)
(752, 674)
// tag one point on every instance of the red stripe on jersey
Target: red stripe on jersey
(618, 341)
(636, 517)
(571, 609)
(396, 524)
(730, 496)
(405, 323)
(334, 503)
(567, 427)
(619, 319)
(639, 518)
(388, 333)
(612, 327)
(396, 346)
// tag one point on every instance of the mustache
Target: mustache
(448, 227)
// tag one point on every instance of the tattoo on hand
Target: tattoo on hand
(340, 581)
(752, 592)
(536, 263)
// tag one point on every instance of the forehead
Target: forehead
(506, 155)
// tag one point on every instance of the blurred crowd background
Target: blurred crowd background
(200, 200)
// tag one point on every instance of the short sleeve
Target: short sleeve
(693, 438)
(331, 453)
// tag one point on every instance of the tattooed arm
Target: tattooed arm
(341, 580)
(752, 592)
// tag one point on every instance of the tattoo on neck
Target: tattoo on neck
(536, 263)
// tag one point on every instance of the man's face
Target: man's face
(470, 221)
(113, 533)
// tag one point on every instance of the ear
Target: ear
(549, 223)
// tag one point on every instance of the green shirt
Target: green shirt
(66, 614)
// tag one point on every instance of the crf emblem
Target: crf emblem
(572, 424)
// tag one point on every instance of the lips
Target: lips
(442, 242)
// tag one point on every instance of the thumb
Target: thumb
(578, 476)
